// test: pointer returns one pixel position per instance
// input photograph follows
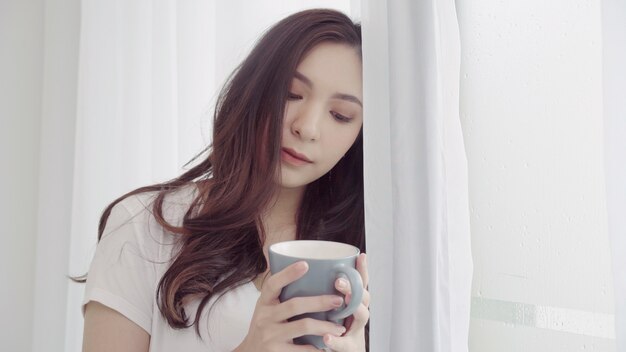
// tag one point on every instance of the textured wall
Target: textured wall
(531, 108)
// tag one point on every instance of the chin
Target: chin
(292, 184)
(291, 178)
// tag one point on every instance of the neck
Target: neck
(279, 219)
(281, 211)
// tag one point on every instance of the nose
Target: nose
(306, 125)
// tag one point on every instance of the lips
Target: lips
(297, 155)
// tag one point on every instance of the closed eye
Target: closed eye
(337, 116)
(340, 117)
(292, 96)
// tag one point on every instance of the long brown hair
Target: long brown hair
(222, 235)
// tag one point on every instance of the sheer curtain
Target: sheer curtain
(417, 212)
(614, 78)
(139, 80)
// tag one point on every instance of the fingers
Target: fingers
(310, 326)
(299, 305)
(361, 316)
(354, 337)
(271, 290)
(357, 320)
(343, 286)
(302, 348)
(337, 343)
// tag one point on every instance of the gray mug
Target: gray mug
(327, 261)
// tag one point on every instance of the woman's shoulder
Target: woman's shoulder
(132, 220)
(139, 208)
(175, 204)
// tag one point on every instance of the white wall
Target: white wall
(21, 45)
(531, 105)
(56, 173)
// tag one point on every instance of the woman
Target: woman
(285, 163)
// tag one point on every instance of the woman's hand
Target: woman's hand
(354, 339)
(269, 329)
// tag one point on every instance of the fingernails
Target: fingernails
(302, 265)
(342, 283)
(328, 339)
(341, 329)
(337, 301)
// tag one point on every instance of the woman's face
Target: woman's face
(323, 115)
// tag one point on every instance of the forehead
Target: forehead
(333, 67)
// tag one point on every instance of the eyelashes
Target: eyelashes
(292, 96)
(337, 116)
(340, 117)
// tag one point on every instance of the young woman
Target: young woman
(183, 265)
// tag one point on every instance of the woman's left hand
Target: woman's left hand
(353, 340)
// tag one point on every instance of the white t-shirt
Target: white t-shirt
(130, 259)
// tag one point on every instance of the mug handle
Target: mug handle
(356, 284)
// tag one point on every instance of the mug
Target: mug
(327, 262)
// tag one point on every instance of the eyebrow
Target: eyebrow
(346, 97)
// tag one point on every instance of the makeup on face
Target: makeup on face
(292, 157)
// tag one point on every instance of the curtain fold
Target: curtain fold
(614, 76)
(417, 210)
(56, 159)
(148, 75)
(132, 126)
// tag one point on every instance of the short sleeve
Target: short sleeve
(122, 274)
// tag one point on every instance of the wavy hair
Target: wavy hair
(221, 235)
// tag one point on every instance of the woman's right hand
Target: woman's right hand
(269, 329)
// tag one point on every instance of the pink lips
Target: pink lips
(294, 157)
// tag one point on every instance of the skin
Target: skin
(313, 127)
(270, 331)
(106, 329)
(317, 124)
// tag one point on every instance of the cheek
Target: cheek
(340, 141)
(287, 121)
(290, 110)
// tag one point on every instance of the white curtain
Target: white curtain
(614, 78)
(128, 95)
(138, 82)
(417, 211)
(145, 73)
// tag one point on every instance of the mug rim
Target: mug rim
(355, 254)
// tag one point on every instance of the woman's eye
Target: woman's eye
(340, 117)
(292, 96)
